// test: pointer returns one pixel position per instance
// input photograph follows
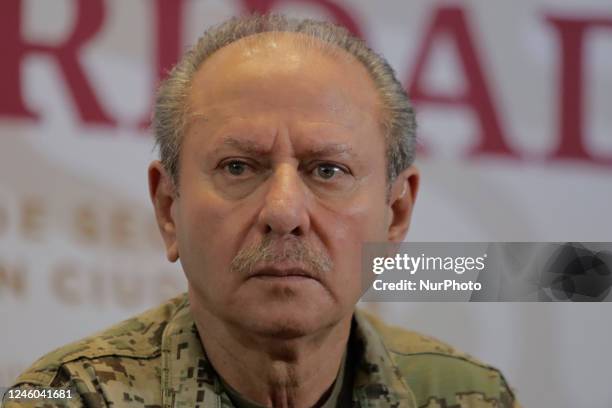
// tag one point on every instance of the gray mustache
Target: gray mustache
(316, 262)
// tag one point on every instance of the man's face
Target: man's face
(284, 155)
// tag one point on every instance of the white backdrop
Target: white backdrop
(514, 103)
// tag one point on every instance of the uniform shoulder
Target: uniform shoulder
(407, 342)
(437, 372)
(136, 337)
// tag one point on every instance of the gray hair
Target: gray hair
(171, 106)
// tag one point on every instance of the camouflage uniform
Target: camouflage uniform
(156, 360)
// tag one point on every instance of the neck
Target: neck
(295, 372)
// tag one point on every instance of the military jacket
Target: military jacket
(156, 360)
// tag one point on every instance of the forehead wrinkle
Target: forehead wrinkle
(195, 118)
(257, 46)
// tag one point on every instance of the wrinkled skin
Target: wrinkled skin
(284, 145)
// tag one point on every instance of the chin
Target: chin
(288, 321)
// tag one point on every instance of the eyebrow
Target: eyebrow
(254, 148)
(332, 149)
(245, 146)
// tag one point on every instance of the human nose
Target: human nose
(284, 209)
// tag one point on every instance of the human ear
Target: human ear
(401, 203)
(163, 195)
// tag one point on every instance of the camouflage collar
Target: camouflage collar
(189, 380)
(378, 382)
(187, 377)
